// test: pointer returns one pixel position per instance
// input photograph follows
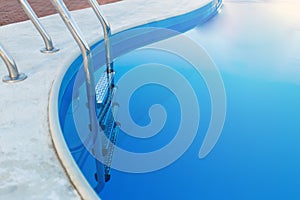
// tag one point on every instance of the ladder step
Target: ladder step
(106, 111)
(108, 128)
(104, 83)
(107, 120)
(110, 151)
(108, 106)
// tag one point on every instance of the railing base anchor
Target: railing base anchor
(8, 79)
(44, 50)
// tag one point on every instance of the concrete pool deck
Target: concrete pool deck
(29, 166)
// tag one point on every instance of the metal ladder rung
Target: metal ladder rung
(102, 88)
(102, 110)
(108, 127)
(110, 151)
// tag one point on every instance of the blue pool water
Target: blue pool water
(254, 46)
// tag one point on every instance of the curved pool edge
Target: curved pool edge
(73, 172)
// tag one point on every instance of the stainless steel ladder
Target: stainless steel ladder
(103, 91)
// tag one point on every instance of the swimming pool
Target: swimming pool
(256, 156)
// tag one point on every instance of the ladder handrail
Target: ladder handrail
(86, 54)
(49, 48)
(107, 33)
(89, 73)
(13, 73)
(87, 63)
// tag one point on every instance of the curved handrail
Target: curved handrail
(87, 63)
(49, 48)
(85, 50)
(13, 73)
(107, 34)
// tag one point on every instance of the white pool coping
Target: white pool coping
(29, 165)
